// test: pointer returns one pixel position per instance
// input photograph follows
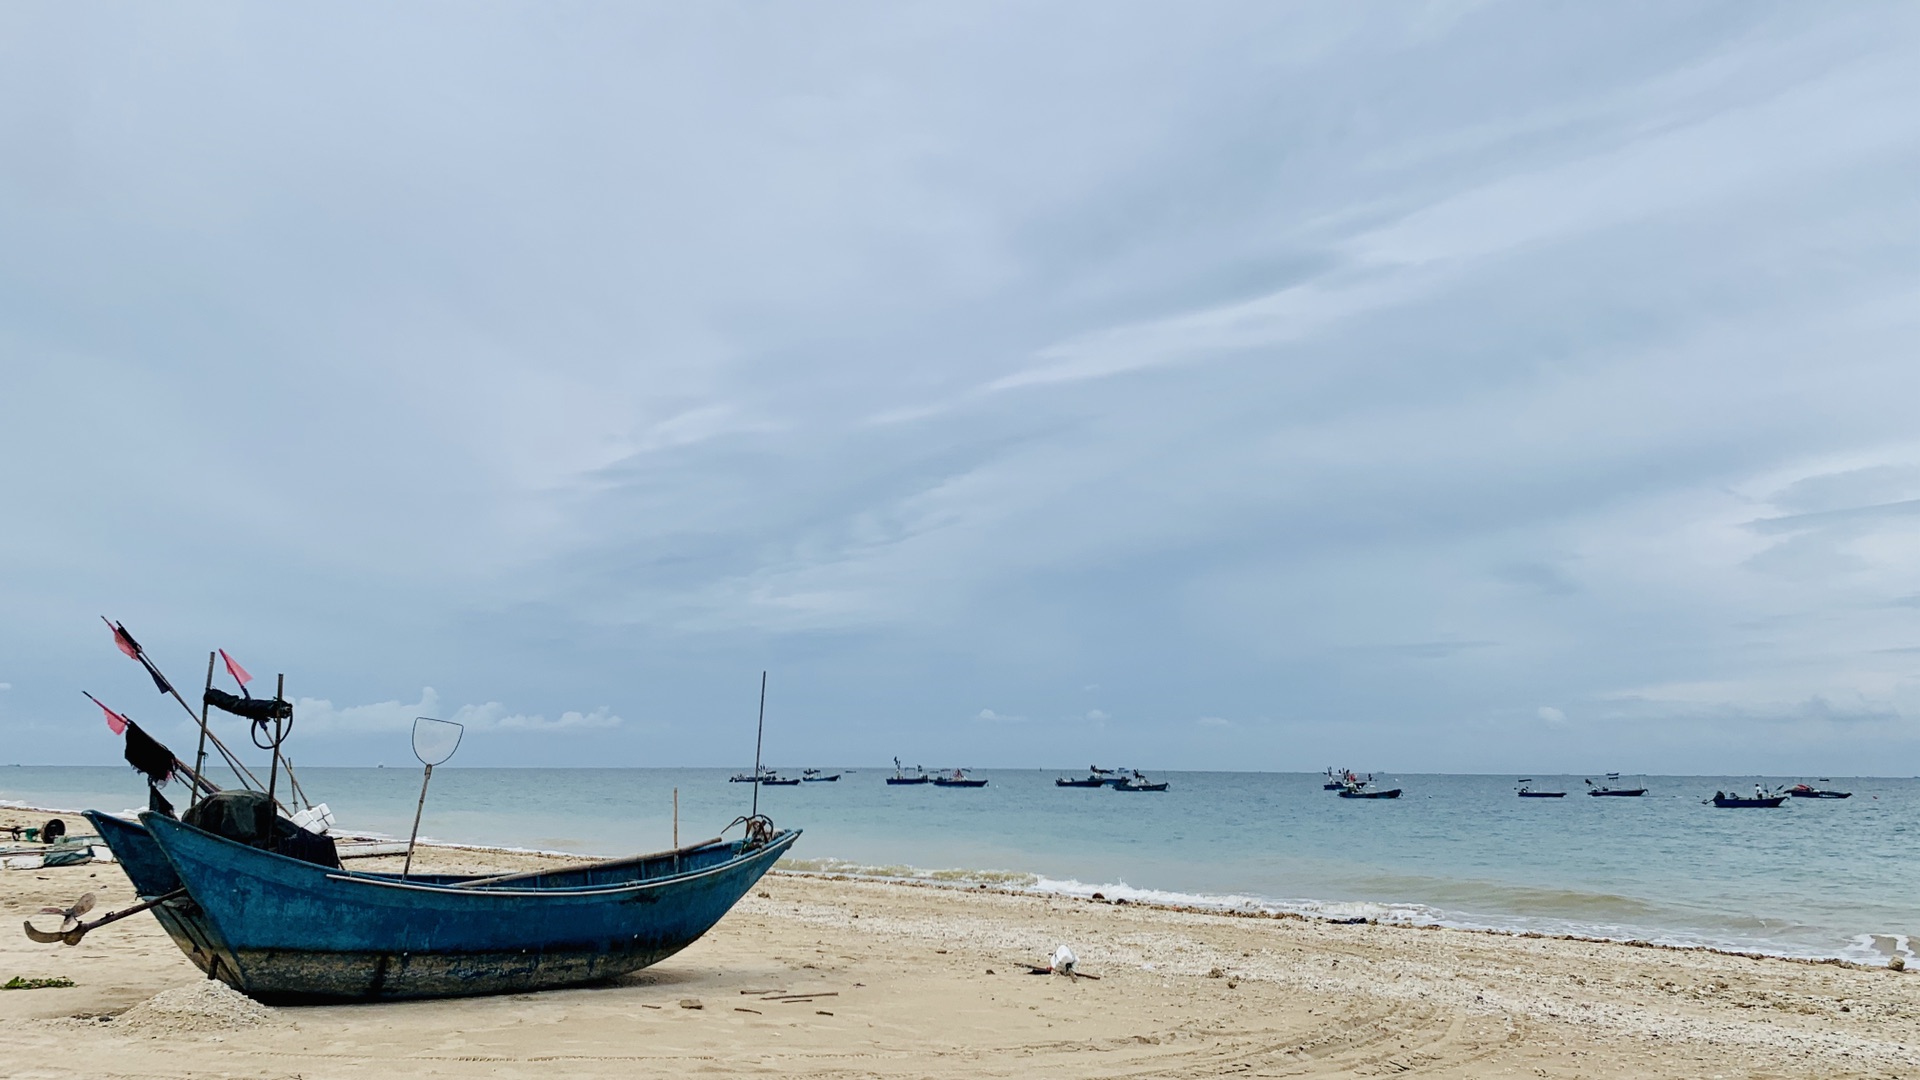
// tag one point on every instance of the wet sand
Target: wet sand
(925, 981)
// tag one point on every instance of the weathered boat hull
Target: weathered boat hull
(282, 929)
(146, 866)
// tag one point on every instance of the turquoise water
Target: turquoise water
(1815, 878)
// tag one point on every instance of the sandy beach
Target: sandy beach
(823, 977)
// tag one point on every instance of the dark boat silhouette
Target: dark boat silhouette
(1357, 792)
(1526, 792)
(1805, 791)
(1139, 782)
(1729, 802)
(900, 775)
(958, 779)
(1602, 789)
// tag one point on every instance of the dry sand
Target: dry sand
(923, 981)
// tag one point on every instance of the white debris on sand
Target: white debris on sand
(207, 1005)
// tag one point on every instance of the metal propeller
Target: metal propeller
(70, 916)
(72, 929)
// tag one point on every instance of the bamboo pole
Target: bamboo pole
(418, 809)
(759, 735)
(273, 764)
(200, 754)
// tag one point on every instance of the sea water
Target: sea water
(1815, 878)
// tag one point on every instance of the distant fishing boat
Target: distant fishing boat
(1357, 791)
(959, 778)
(1757, 802)
(815, 776)
(900, 776)
(766, 777)
(1089, 782)
(1337, 779)
(1140, 784)
(1805, 791)
(1603, 789)
(1526, 792)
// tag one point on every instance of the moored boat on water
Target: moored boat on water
(1758, 802)
(1606, 789)
(1140, 784)
(1089, 782)
(1361, 791)
(1807, 791)
(815, 776)
(1527, 792)
(900, 775)
(958, 778)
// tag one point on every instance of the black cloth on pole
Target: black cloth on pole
(146, 755)
(257, 710)
(160, 682)
(158, 803)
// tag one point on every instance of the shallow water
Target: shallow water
(1814, 878)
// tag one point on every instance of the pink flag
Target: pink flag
(233, 668)
(123, 639)
(115, 722)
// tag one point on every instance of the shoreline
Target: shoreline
(965, 886)
(821, 976)
(1232, 913)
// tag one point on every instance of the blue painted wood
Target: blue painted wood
(287, 929)
(152, 875)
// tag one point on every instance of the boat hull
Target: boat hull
(1821, 794)
(1623, 793)
(1090, 783)
(1543, 794)
(958, 783)
(285, 930)
(1390, 793)
(909, 779)
(1768, 803)
(146, 866)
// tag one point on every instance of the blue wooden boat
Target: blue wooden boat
(282, 929)
(146, 866)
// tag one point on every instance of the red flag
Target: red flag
(123, 639)
(132, 648)
(233, 668)
(115, 722)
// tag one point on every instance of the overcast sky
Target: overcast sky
(1453, 386)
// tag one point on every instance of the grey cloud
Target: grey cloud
(926, 355)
